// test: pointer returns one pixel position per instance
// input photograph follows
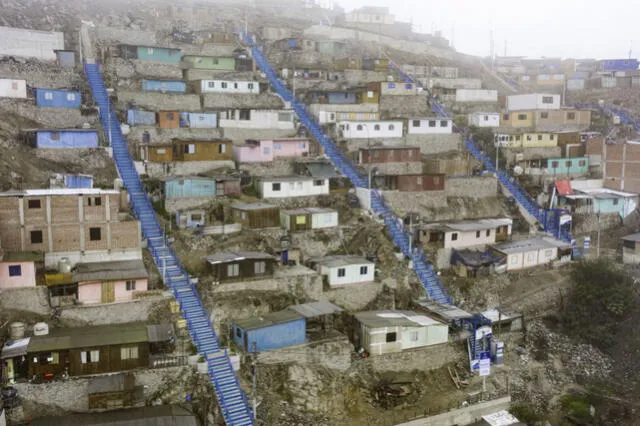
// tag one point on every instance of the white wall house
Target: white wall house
(399, 88)
(333, 113)
(308, 218)
(30, 43)
(484, 119)
(229, 86)
(430, 126)
(532, 252)
(383, 332)
(533, 101)
(10, 88)
(257, 119)
(476, 95)
(370, 15)
(292, 186)
(466, 234)
(345, 270)
(370, 129)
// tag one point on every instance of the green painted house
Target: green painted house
(218, 63)
(151, 53)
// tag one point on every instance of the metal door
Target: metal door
(108, 292)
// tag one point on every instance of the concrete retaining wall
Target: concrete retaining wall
(279, 167)
(354, 297)
(428, 144)
(152, 69)
(223, 100)
(173, 205)
(463, 416)
(47, 117)
(305, 284)
(30, 299)
(472, 187)
(588, 222)
(424, 359)
(238, 136)
(122, 35)
(159, 101)
(37, 75)
(333, 353)
(396, 168)
(113, 313)
(185, 168)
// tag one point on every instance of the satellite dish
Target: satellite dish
(517, 170)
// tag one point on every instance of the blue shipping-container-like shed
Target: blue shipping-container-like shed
(78, 181)
(58, 98)
(272, 331)
(72, 138)
(164, 86)
(198, 120)
(184, 187)
(619, 64)
(136, 117)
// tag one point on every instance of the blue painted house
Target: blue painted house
(619, 65)
(78, 181)
(151, 53)
(198, 120)
(58, 98)
(272, 331)
(189, 187)
(64, 138)
(136, 117)
(164, 86)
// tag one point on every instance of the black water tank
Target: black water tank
(9, 397)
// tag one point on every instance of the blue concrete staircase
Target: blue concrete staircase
(233, 402)
(610, 110)
(423, 269)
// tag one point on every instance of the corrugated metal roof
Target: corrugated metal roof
(163, 415)
(389, 318)
(60, 191)
(469, 225)
(530, 245)
(273, 318)
(308, 210)
(231, 256)
(447, 312)
(83, 337)
(287, 179)
(316, 309)
(101, 271)
(15, 348)
(322, 170)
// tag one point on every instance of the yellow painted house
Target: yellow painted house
(517, 119)
(526, 140)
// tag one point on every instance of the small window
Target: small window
(539, 137)
(149, 51)
(391, 337)
(129, 353)
(223, 84)
(529, 137)
(376, 128)
(71, 97)
(131, 285)
(582, 163)
(615, 201)
(416, 123)
(33, 204)
(15, 270)
(245, 114)
(318, 182)
(95, 234)
(369, 94)
(413, 336)
(518, 138)
(505, 117)
(391, 85)
(233, 270)
(408, 86)
(359, 127)
(554, 164)
(486, 118)
(55, 136)
(211, 84)
(432, 123)
(548, 253)
(522, 117)
(454, 236)
(544, 115)
(444, 123)
(571, 116)
(284, 116)
(547, 99)
(235, 85)
(477, 234)
(161, 151)
(552, 137)
(275, 186)
(222, 148)
(568, 163)
(260, 267)
(48, 96)
(238, 332)
(364, 270)
(392, 127)
(170, 116)
(89, 357)
(14, 86)
(266, 150)
(488, 233)
(342, 272)
(250, 86)
(215, 62)
(36, 237)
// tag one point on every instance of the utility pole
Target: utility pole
(598, 246)
(254, 364)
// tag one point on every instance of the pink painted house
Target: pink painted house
(18, 270)
(254, 151)
(107, 282)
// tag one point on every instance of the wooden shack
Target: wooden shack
(256, 215)
(169, 119)
(240, 266)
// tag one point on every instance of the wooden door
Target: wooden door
(108, 293)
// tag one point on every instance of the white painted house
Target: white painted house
(532, 252)
(476, 95)
(257, 119)
(533, 101)
(383, 332)
(229, 86)
(465, 234)
(292, 186)
(308, 218)
(399, 89)
(370, 129)
(430, 126)
(484, 119)
(10, 88)
(341, 270)
(30, 43)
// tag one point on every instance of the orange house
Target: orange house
(169, 119)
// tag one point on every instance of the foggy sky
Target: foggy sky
(552, 28)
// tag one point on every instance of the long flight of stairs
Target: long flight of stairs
(232, 400)
(423, 269)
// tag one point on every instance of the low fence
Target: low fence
(219, 229)
(162, 361)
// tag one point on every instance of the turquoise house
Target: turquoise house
(164, 86)
(151, 53)
(215, 63)
(599, 201)
(568, 166)
(188, 187)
